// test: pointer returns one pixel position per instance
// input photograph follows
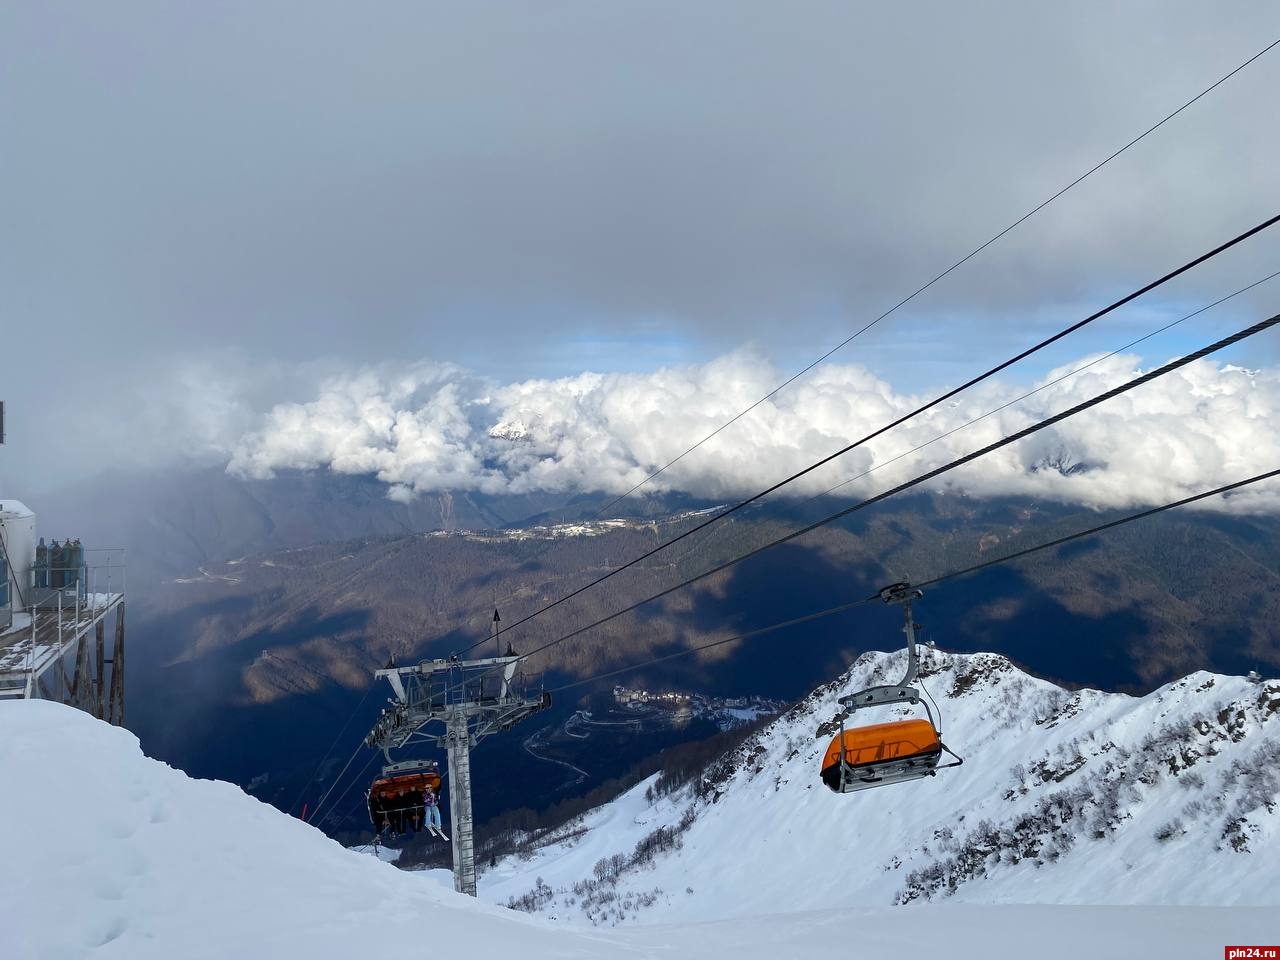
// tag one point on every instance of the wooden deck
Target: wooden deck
(37, 641)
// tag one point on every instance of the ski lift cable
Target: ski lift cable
(1039, 389)
(339, 812)
(356, 779)
(1042, 387)
(953, 575)
(1066, 331)
(333, 807)
(929, 475)
(336, 780)
(315, 773)
(936, 279)
(795, 621)
(940, 277)
(959, 263)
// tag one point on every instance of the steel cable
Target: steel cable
(954, 574)
(987, 374)
(932, 474)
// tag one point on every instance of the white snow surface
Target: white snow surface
(1063, 798)
(109, 854)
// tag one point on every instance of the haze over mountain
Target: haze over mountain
(255, 642)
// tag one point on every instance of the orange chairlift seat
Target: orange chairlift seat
(871, 751)
(400, 789)
(882, 753)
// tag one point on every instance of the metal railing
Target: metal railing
(74, 597)
(49, 585)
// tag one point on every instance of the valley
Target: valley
(248, 670)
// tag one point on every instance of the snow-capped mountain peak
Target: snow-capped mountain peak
(1064, 797)
(513, 429)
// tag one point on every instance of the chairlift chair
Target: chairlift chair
(879, 754)
(415, 776)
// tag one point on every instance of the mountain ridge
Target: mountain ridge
(1179, 789)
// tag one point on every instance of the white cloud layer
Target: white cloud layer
(436, 427)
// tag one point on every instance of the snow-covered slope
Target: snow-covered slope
(111, 855)
(1084, 798)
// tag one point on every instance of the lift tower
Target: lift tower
(468, 700)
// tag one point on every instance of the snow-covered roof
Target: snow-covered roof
(14, 509)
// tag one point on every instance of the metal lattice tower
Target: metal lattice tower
(458, 738)
(454, 704)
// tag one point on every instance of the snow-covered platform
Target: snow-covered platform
(41, 638)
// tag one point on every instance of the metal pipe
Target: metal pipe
(60, 639)
(913, 658)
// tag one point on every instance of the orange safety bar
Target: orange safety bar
(898, 739)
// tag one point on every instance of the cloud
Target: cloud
(411, 430)
(537, 189)
(439, 427)
(333, 183)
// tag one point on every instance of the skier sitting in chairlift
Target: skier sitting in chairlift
(431, 807)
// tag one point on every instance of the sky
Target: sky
(217, 215)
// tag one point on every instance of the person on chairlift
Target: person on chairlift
(431, 806)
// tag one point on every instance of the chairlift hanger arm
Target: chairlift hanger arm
(901, 692)
(896, 752)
